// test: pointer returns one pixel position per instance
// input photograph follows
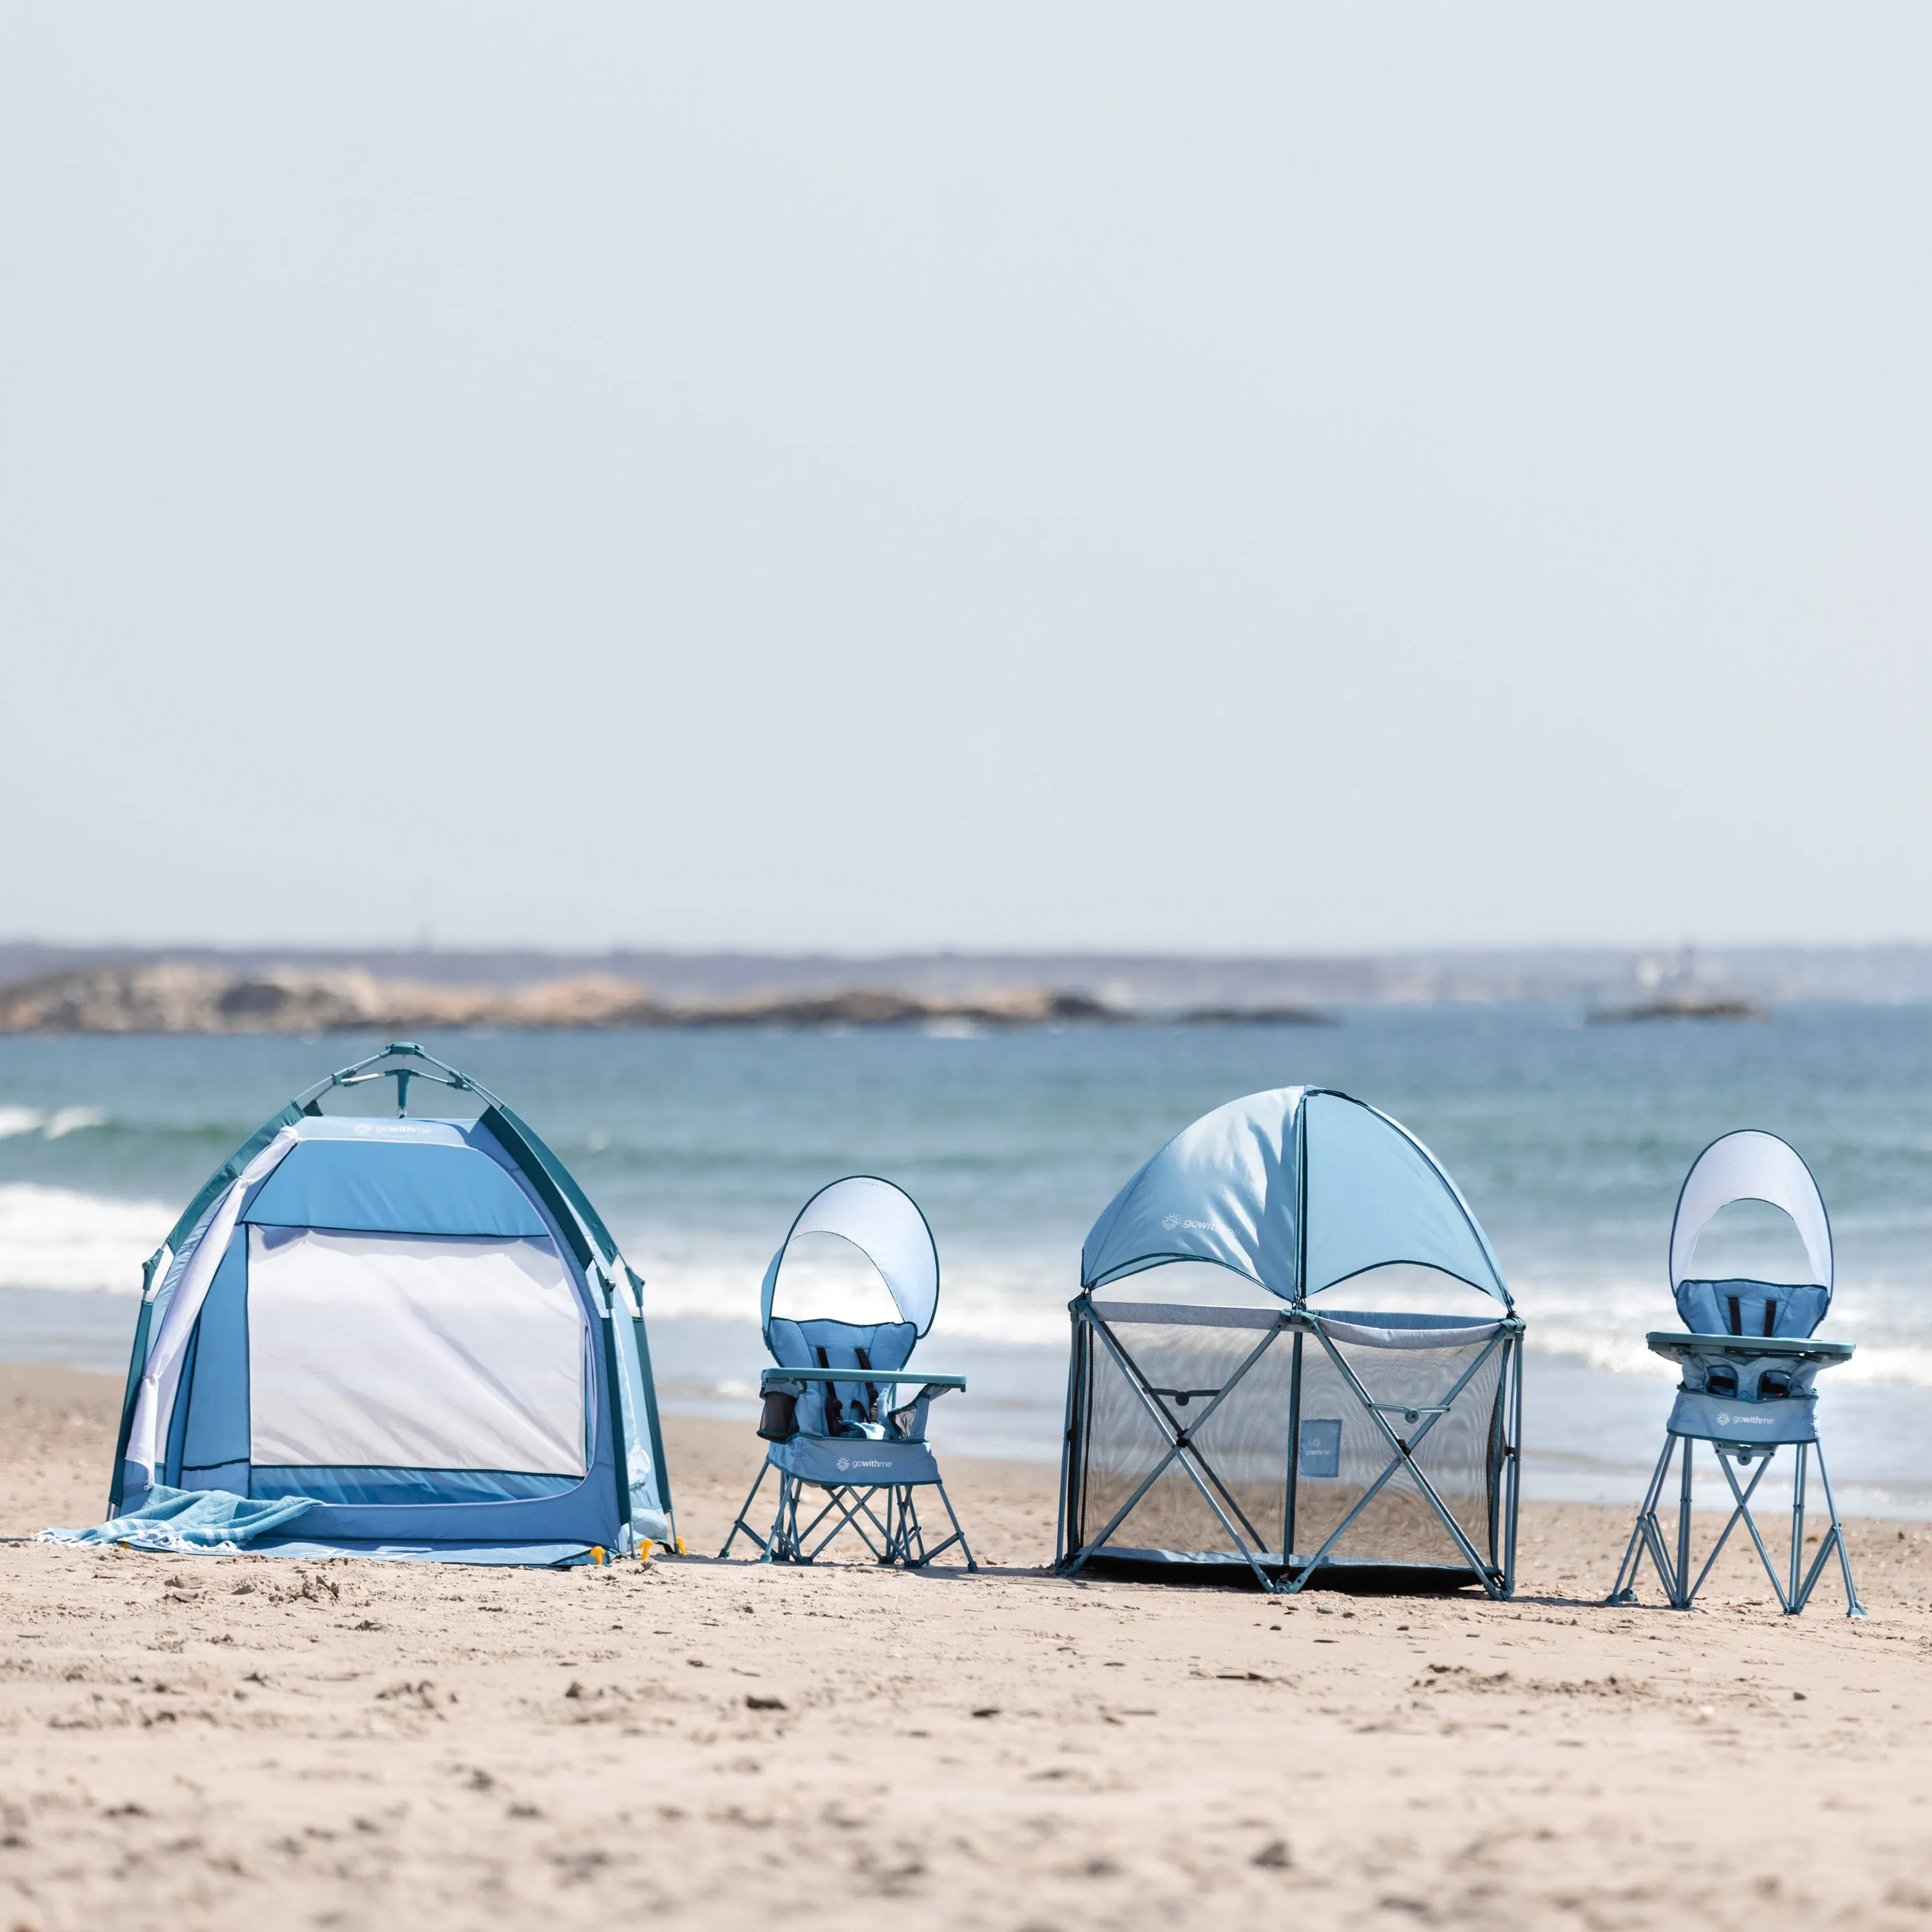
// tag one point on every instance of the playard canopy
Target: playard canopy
(1263, 1434)
(422, 1324)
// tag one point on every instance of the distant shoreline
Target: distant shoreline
(1144, 982)
(179, 997)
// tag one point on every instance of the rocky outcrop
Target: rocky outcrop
(185, 998)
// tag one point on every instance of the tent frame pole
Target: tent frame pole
(1072, 1471)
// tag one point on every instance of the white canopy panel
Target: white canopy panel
(1749, 1165)
(885, 1224)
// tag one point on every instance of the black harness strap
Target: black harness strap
(1737, 1315)
(834, 1409)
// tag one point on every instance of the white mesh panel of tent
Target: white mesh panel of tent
(413, 1352)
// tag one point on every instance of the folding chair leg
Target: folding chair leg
(958, 1535)
(1835, 1535)
(745, 1509)
(1624, 1591)
(1793, 1592)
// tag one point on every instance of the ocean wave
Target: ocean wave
(1004, 1304)
(55, 1237)
(52, 1124)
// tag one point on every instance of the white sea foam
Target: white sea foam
(53, 1125)
(55, 1238)
(1004, 1302)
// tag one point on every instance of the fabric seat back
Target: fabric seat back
(1751, 1308)
(832, 1409)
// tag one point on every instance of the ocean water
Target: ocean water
(1569, 1140)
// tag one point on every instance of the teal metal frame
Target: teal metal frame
(1673, 1569)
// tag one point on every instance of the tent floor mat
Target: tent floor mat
(514, 1556)
(1214, 1572)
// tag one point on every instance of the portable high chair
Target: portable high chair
(831, 1421)
(1748, 1363)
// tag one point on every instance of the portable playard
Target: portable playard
(1268, 1437)
(420, 1325)
(832, 1426)
(1749, 1362)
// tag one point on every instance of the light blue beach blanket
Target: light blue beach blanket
(210, 1521)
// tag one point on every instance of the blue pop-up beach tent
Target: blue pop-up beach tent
(422, 1324)
(1252, 1433)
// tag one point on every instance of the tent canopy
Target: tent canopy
(885, 1224)
(1750, 1165)
(1298, 1189)
(420, 1323)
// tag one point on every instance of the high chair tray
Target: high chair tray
(896, 1378)
(1674, 1344)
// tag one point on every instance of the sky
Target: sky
(1260, 478)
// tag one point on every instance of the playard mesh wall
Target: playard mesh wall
(1145, 1371)
(1271, 1436)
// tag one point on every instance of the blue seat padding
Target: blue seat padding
(837, 1345)
(1752, 1308)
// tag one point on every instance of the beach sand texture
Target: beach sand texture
(246, 1741)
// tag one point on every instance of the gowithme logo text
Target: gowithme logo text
(1727, 1421)
(1171, 1222)
(854, 1463)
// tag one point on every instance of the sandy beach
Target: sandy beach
(248, 1742)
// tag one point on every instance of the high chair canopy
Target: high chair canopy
(1750, 1165)
(885, 1224)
